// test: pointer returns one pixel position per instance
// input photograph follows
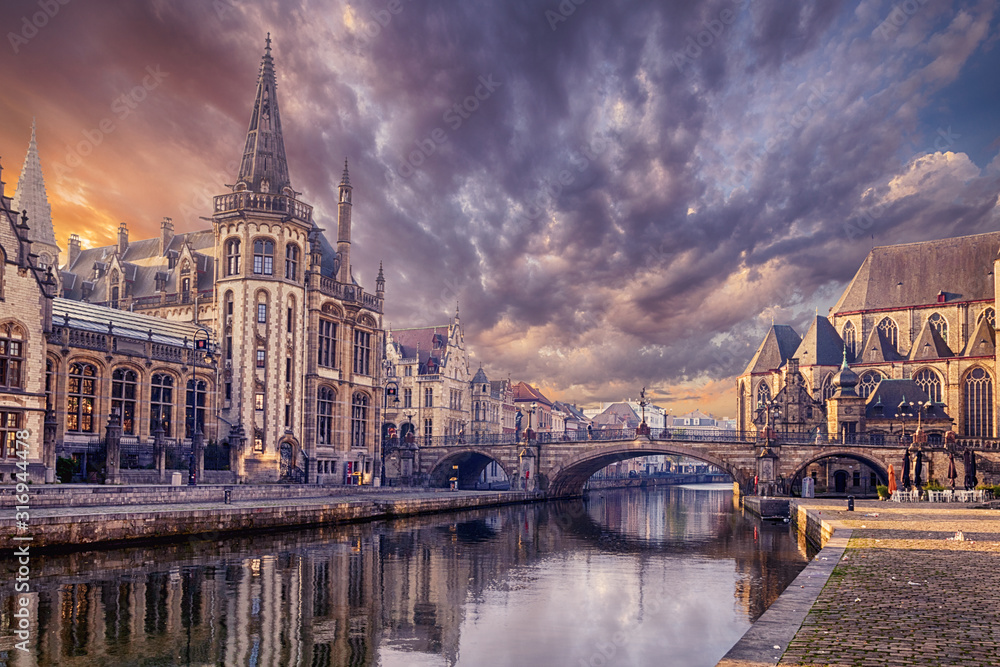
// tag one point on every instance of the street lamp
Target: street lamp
(201, 345)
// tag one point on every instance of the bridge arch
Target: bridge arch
(568, 477)
(861, 455)
(471, 462)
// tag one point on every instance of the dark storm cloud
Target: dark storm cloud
(617, 193)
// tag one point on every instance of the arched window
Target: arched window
(161, 403)
(233, 257)
(324, 415)
(888, 328)
(359, 420)
(930, 382)
(80, 397)
(49, 384)
(195, 399)
(867, 383)
(990, 315)
(828, 389)
(11, 357)
(261, 308)
(851, 341)
(763, 393)
(123, 385)
(978, 396)
(263, 257)
(940, 324)
(291, 262)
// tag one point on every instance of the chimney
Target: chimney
(122, 239)
(166, 234)
(74, 250)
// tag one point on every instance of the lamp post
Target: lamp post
(201, 345)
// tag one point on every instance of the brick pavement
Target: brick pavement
(905, 595)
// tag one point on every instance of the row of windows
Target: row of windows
(325, 399)
(887, 326)
(263, 258)
(81, 400)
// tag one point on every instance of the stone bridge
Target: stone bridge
(559, 464)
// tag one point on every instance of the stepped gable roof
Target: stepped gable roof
(778, 346)
(912, 274)
(617, 415)
(982, 342)
(480, 377)
(929, 344)
(821, 346)
(89, 317)
(888, 394)
(877, 349)
(525, 392)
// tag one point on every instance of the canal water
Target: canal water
(666, 576)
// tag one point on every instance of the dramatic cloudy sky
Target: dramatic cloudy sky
(638, 189)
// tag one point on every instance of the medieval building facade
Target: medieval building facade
(253, 333)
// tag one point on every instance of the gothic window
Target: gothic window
(930, 382)
(362, 352)
(940, 324)
(828, 389)
(324, 416)
(49, 380)
(232, 257)
(114, 296)
(990, 315)
(161, 403)
(851, 341)
(123, 386)
(428, 397)
(263, 257)
(763, 393)
(889, 330)
(978, 396)
(10, 424)
(359, 420)
(229, 343)
(80, 398)
(327, 344)
(291, 262)
(195, 411)
(866, 385)
(11, 357)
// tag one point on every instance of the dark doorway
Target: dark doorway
(840, 481)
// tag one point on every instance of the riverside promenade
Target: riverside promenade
(887, 590)
(82, 517)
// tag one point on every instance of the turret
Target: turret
(380, 282)
(344, 229)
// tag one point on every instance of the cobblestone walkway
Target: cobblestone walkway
(904, 594)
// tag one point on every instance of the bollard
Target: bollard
(229, 495)
(850, 503)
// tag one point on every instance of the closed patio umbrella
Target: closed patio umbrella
(892, 480)
(906, 470)
(952, 469)
(917, 469)
(968, 459)
(975, 473)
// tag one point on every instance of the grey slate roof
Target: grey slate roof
(480, 377)
(889, 394)
(929, 344)
(911, 274)
(779, 346)
(877, 349)
(617, 415)
(821, 346)
(88, 317)
(983, 341)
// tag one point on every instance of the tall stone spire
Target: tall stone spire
(30, 196)
(264, 168)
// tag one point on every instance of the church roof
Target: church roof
(982, 342)
(778, 346)
(264, 152)
(30, 196)
(877, 349)
(912, 274)
(883, 403)
(929, 344)
(821, 346)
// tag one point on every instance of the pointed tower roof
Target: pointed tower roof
(264, 168)
(929, 344)
(821, 346)
(778, 346)
(983, 341)
(30, 196)
(346, 178)
(480, 377)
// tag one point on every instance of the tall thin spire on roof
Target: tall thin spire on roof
(30, 196)
(264, 168)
